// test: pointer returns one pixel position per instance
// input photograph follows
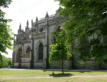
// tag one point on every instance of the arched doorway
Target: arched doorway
(19, 56)
(40, 50)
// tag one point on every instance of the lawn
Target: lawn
(77, 79)
(20, 75)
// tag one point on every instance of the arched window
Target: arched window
(41, 29)
(40, 55)
(28, 51)
(53, 40)
(59, 29)
(18, 56)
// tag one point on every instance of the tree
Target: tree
(5, 31)
(5, 62)
(87, 18)
(59, 50)
(1, 64)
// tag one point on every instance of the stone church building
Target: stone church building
(31, 47)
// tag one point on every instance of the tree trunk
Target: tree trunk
(62, 64)
(101, 65)
(1, 61)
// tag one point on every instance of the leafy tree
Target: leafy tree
(87, 18)
(5, 31)
(5, 62)
(59, 49)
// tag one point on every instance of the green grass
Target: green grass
(46, 72)
(23, 72)
(34, 73)
(76, 79)
(41, 80)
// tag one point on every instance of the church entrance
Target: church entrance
(40, 54)
(19, 55)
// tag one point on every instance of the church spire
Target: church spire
(47, 16)
(36, 24)
(19, 28)
(27, 24)
(36, 19)
(32, 23)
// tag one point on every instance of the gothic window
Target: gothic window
(28, 51)
(53, 40)
(59, 29)
(41, 29)
(40, 57)
(18, 56)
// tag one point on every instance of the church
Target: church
(31, 47)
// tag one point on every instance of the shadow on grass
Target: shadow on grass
(81, 71)
(61, 75)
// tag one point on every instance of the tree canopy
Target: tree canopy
(5, 62)
(5, 31)
(87, 18)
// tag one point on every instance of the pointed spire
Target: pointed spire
(20, 26)
(32, 23)
(47, 16)
(27, 24)
(36, 19)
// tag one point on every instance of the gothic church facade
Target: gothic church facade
(31, 47)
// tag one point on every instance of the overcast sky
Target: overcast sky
(22, 10)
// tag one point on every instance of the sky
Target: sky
(22, 10)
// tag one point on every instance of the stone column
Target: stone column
(47, 40)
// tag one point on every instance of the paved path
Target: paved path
(55, 69)
(46, 77)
